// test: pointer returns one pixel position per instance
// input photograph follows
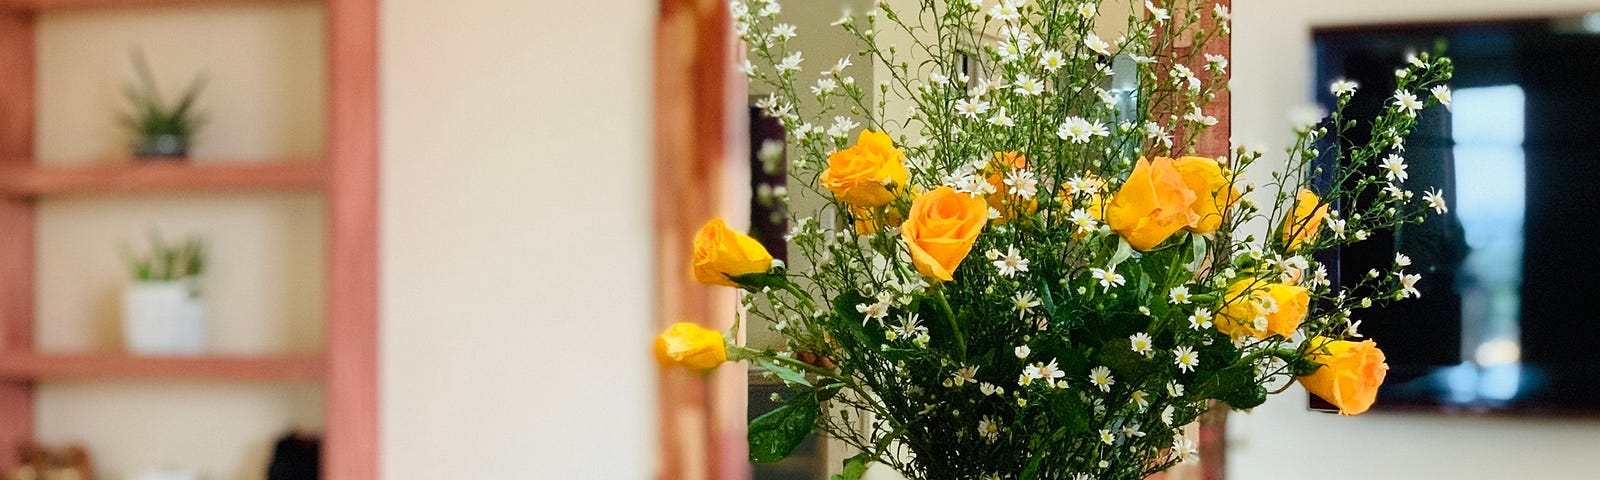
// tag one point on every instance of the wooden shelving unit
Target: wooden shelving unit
(30, 368)
(35, 182)
(45, 5)
(345, 176)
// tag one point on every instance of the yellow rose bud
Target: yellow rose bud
(940, 230)
(1305, 220)
(867, 175)
(1213, 194)
(692, 346)
(1283, 307)
(868, 220)
(721, 253)
(1350, 375)
(1152, 205)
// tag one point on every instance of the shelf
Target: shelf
(32, 367)
(47, 5)
(28, 182)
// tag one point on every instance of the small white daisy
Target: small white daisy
(1080, 130)
(1166, 415)
(1401, 260)
(1107, 437)
(1344, 88)
(1179, 294)
(1022, 183)
(1022, 351)
(1000, 119)
(1108, 278)
(1051, 60)
(1027, 86)
(1024, 303)
(1141, 343)
(1395, 167)
(790, 63)
(1408, 102)
(964, 376)
(1200, 320)
(1096, 44)
(971, 108)
(1011, 263)
(1186, 358)
(1435, 199)
(988, 429)
(1441, 93)
(1101, 377)
(1408, 285)
(1141, 399)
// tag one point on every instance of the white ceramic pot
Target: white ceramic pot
(163, 318)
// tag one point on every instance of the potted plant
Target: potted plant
(160, 130)
(162, 312)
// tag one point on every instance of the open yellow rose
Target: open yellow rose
(1152, 205)
(940, 230)
(721, 253)
(692, 346)
(1280, 307)
(867, 175)
(1350, 375)
(1213, 194)
(1305, 220)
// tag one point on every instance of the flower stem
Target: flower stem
(955, 326)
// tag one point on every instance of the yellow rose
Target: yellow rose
(1305, 220)
(868, 220)
(867, 175)
(1213, 194)
(1152, 205)
(692, 346)
(721, 253)
(940, 230)
(1003, 164)
(1350, 375)
(1283, 307)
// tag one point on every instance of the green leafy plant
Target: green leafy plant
(167, 262)
(153, 121)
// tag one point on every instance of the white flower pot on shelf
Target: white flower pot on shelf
(163, 318)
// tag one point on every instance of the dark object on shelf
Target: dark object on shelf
(297, 456)
(38, 463)
(162, 131)
(162, 147)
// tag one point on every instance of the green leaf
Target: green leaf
(785, 373)
(775, 435)
(1124, 252)
(854, 467)
(1246, 398)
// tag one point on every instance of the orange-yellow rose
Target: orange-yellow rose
(940, 230)
(1305, 220)
(1152, 205)
(1282, 307)
(692, 346)
(1350, 375)
(721, 253)
(1010, 206)
(867, 175)
(870, 220)
(1213, 194)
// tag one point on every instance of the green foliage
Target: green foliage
(152, 117)
(167, 262)
(774, 435)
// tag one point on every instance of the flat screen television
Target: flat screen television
(1509, 318)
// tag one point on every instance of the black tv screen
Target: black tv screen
(1509, 318)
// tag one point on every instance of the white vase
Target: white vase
(163, 318)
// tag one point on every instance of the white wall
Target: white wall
(1272, 65)
(517, 236)
(264, 286)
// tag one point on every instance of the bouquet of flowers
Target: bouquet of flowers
(1033, 275)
